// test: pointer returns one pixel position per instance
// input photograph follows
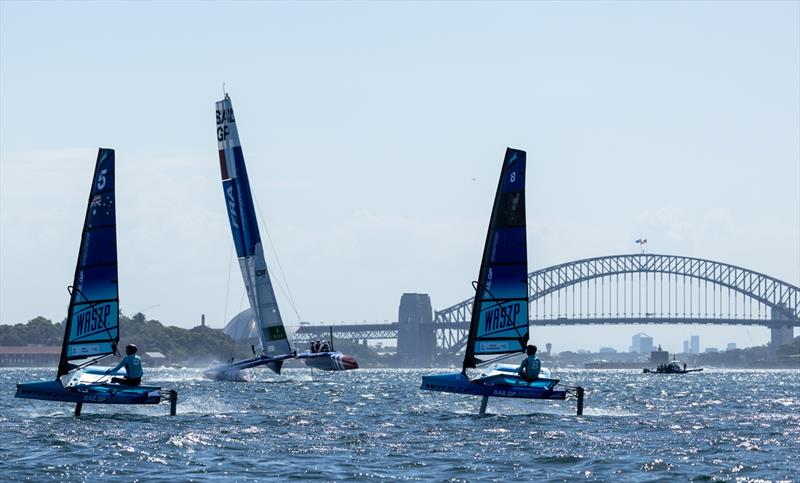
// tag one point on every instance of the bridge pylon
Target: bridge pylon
(780, 334)
(416, 342)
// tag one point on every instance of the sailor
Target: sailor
(133, 368)
(324, 347)
(531, 365)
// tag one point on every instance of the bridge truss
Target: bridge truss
(642, 289)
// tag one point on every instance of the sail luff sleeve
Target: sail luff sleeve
(92, 326)
(499, 323)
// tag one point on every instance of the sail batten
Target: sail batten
(92, 325)
(499, 323)
(246, 236)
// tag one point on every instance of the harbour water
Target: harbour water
(377, 424)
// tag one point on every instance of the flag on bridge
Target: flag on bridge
(641, 241)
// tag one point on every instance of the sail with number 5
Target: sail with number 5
(91, 331)
(92, 327)
(499, 322)
(246, 237)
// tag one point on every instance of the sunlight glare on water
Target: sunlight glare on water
(374, 424)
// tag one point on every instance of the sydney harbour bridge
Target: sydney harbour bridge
(618, 289)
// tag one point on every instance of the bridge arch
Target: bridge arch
(783, 299)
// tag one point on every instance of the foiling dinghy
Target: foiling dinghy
(275, 345)
(92, 326)
(499, 324)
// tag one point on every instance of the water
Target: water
(377, 424)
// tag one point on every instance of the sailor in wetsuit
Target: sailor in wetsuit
(531, 365)
(133, 368)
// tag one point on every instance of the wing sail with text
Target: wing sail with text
(246, 238)
(92, 326)
(499, 322)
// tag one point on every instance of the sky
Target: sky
(374, 133)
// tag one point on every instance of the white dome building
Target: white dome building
(242, 328)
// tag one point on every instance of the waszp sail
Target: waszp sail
(499, 322)
(91, 330)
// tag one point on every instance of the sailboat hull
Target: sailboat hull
(328, 361)
(495, 386)
(235, 370)
(89, 393)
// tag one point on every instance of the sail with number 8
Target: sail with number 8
(499, 321)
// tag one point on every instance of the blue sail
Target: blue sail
(499, 322)
(246, 238)
(92, 327)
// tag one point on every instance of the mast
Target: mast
(499, 323)
(246, 237)
(92, 327)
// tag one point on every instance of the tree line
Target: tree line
(198, 345)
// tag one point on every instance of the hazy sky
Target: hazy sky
(374, 134)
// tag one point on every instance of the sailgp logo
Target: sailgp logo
(224, 117)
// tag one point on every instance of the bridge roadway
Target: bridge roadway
(389, 330)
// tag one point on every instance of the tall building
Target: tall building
(686, 347)
(642, 343)
(695, 344)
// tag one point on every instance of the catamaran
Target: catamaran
(92, 326)
(499, 323)
(275, 345)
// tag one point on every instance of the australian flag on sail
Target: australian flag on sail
(500, 309)
(92, 327)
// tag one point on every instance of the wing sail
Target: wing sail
(499, 322)
(246, 237)
(92, 327)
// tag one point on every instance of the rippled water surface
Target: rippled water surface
(375, 424)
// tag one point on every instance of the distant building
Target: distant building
(608, 350)
(29, 356)
(711, 349)
(659, 356)
(731, 346)
(154, 359)
(642, 344)
(695, 344)
(686, 347)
